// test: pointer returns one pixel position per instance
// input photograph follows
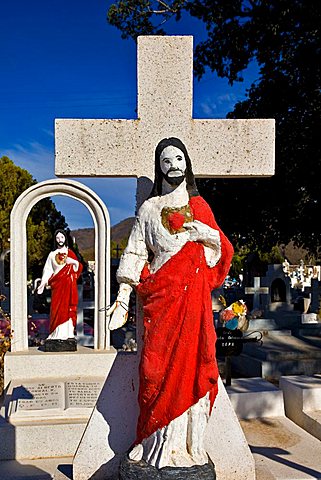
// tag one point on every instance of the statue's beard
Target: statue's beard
(174, 181)
(60, 244)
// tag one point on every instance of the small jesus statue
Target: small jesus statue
(61, 272)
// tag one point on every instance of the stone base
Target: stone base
(41, 436)
(132, 470)
(69, 345)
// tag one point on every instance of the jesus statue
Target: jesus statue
(176, 254)
(61, 272)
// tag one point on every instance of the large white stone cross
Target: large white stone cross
(125, 148)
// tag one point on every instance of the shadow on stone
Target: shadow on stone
(66, 469)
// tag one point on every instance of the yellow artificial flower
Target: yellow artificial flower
(238, 308)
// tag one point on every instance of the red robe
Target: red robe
(64, 294)
(178, 364)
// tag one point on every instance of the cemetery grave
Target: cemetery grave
(44, 379)
(79, 139)
(302, 401)
(291, 338)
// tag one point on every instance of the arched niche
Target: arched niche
(278, 290)
(18, 256)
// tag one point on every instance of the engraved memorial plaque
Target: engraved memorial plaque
(82, 394)
(39, 396)
(74, 397)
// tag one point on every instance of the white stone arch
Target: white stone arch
(18, 256)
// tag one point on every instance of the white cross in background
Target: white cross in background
(257, 290)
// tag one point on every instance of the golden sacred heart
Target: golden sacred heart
(173, 219)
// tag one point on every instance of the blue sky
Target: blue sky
(63, 60)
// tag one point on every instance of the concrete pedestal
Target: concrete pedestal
(111, 431)
(44, 435)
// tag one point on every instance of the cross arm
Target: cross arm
(124, 148)
(88, 147)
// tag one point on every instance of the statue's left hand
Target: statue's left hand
(200, 232)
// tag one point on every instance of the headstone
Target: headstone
(98, 148)
(307, 318)
(278, 304)
(58, 410)
(43, 376)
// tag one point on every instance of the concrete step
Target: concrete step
(38, 469)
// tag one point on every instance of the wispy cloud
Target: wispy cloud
(34, 157)
(208, 109)
(50, 133)
(216, 106)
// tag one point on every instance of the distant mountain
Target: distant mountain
(85, 237)
(122, 229)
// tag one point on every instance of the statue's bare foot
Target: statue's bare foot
(136, 453)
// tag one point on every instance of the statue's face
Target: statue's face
(173, 165)
(60, 239)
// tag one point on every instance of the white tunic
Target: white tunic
(149, 235)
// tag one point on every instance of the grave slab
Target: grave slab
(279, 355)
(302, 399)
(281, 449)
(255, 397)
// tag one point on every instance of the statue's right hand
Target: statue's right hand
(118, 313)
(119, 310)
(40, 289)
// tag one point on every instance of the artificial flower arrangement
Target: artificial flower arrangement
(234, 317)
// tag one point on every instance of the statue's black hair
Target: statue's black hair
(190, 180)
